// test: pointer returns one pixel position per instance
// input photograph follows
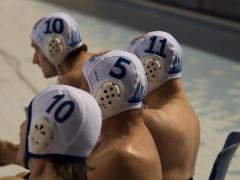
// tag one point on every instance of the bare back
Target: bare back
(176, 132)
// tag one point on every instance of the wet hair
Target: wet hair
(70, 170)
(76, 52)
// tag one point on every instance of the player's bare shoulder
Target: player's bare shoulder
(162, 127)
(120, 161)
(155, 119)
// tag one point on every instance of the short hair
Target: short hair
(73, 54)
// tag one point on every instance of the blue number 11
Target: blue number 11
(163, 45)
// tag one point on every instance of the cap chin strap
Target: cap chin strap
(155, 71)
(109, 96)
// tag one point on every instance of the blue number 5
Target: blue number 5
(122, 68)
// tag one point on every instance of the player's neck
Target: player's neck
(41, 170)
(122, 123)
(165, 93)
(68, 64)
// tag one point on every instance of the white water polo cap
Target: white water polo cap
(161, 56)
(117, 80)
(64, 123)
(57, 35)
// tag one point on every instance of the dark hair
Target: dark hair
(73, 54)
(70, 170)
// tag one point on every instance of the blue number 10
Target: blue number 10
(67, 114)
(163, 45)
(57, 26)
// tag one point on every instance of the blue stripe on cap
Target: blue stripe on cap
(29, 119)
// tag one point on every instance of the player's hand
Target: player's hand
(8, 152)
(22, 174)
(100, 53)
(11, 178)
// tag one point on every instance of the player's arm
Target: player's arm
(19, 176)
(8, 153)
(11, 178)
(100, 53)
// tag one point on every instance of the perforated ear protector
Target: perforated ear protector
(109, 96)
(41, 136)
(154, 68)
(55, 46)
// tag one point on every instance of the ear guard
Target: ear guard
(55, 46)
(109, 96)
(154, 68)
(41, 136)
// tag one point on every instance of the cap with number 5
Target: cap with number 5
(117, 80)
(63, 123)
